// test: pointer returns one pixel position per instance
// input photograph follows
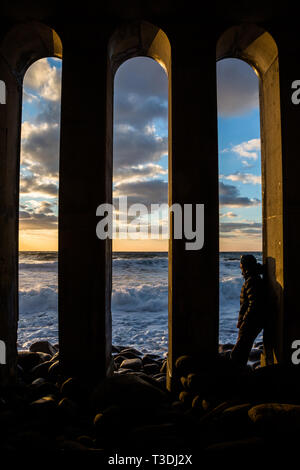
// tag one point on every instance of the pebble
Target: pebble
(134, 407)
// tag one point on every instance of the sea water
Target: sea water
(139, 299)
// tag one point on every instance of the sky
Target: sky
(140, 149)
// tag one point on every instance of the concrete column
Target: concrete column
(289, 70)
(85, 183)
(10, 120)
(193, 179)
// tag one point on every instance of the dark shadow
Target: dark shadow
(273, 325)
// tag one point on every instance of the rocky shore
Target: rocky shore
(216, 408)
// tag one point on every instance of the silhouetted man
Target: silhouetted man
(252, 309)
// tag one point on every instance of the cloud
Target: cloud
(31, 184)
(132, 147)
(140, 105)
(229, 215)
(144, 192)
(40, 147)
(248, 149)
(229, 196)
(243, 178)
(131, 174)
(238, 228)
(237, 87)
(40, 217)
(43, 79)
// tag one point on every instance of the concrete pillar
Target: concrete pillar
(85, 182)
(193, 179)
(10, 122)
(289, 70)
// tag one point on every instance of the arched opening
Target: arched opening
(20, 47)
(140, 195)
(258, 48)
(39, 180)
(143, 42)
(240, 193)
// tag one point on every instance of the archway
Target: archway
(240, 211)
(20, 47)
(257, 47)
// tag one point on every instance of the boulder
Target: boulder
(28, 359)
(132, 364)
(233, 448)
(43, 346)
(44, 408)
(151, 369)
(276, 417)
(185, 364)
(119, 359)
(164, 366)
(126, 390)
(68, 408)
(40, 387)
(54, 370)
(130, 353)
(75, 389)
(150, 358)
(41, 370)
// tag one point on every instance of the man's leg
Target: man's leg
(243, 346)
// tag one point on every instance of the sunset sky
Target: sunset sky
(140, 152)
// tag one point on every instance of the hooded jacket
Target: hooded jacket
(252, 302)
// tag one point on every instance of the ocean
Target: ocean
(139, 299)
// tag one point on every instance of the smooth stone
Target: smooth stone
(40, 387)
(134, 351)
(133, 364)
(74, 388)
(86, 441)
(55, 357)
(186, 397)
(279, 417)
(127, 355)
(122, 371)
(150, 358)
(185, 365)
(44, 357)
(43, 346)
(44, 406)
(197, 402)
(151, 369)
(73, 446)
(235, 421)
(127, 389)
(119, 359)
(54, 370)
(28, 359)
(68, 408)
(41, 370)
(231, 447)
